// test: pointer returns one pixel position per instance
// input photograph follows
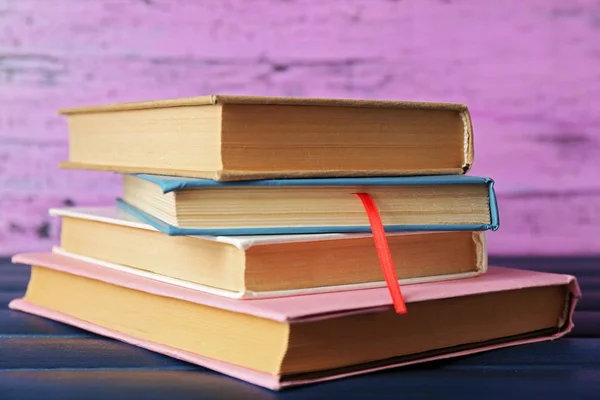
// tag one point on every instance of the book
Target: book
(244, 137)
(296, 340)
(188, 206)
(264, 266)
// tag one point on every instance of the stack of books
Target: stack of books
(266, 238)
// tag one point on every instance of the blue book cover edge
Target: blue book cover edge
(176, 231)
(170, 183)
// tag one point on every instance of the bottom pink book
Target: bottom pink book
(281, 342)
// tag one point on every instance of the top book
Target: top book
(227, 138)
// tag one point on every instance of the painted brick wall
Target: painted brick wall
(529, 70)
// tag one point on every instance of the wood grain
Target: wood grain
(44, 359)
(529, 71)
(23, 352)
(558, 379)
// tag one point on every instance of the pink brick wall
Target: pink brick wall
(529, 70)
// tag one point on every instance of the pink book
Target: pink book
(504, 307)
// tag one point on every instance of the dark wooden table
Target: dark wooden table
(41, 359)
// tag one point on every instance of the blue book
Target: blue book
(188, 206)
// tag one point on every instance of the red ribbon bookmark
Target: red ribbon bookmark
(383, 252)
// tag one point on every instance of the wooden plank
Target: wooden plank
(7, 296)
(13, 277)
(587, 324)
(13, 282)
(94, 352)
(7, 268)
(562, 354)
(590, 301)
(124, 384)
(22, 352)
(14, 323)
(410, 383)
(530, 90)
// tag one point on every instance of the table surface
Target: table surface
(47, 360)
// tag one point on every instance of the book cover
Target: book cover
(306, 308)
(170, 184)
(115, 216)
(431, 138)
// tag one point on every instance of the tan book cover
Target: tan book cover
(225, 138)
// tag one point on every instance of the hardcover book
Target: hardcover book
(244, 137)
(268, 265)
(188, 206)
(288, 341)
